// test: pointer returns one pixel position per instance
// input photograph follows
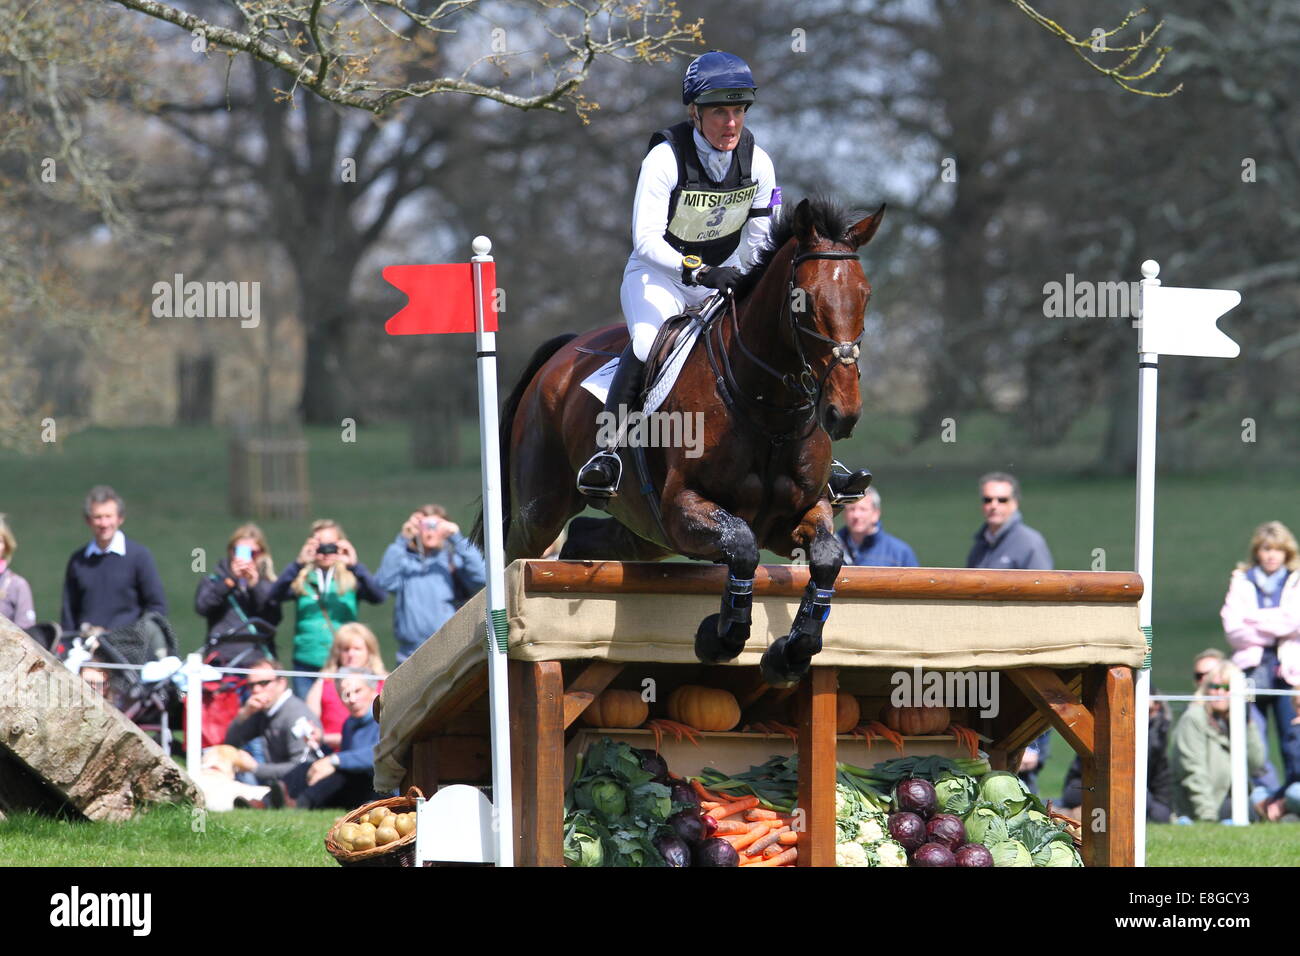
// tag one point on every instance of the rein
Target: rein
(805, 383)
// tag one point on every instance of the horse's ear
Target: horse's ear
(861, 234)
(803, 223)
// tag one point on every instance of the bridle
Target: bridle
(805, 383)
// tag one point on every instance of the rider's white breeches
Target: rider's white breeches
(649, 299)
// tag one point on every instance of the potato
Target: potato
(405, 823)
(364, 841)
(385, 835)
(347, 832)
(377, 815)
(366, 827)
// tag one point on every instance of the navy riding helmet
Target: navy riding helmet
(717, 77)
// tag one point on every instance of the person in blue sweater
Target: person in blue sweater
(866, 542)
(113, 581)
(344, 778)
(433, 569)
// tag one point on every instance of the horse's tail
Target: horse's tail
(543, 355)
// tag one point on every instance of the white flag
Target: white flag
(1182, 321)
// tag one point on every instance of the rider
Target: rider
(703, 210)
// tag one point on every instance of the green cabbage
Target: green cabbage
(956, 793)
(1005, 791)
(985, 825)
(604, 795)
(1057, 853)
(1011, 853)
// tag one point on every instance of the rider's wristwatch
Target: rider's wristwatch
(691, 265)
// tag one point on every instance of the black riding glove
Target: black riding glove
(723, 278)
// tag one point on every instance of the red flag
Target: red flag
(440, 299)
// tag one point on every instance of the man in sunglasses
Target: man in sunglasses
(1004, 540)
(291, 731)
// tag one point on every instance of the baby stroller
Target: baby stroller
(152, 703)
(252, 640)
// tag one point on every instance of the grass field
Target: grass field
(174, 482)
(174, 836)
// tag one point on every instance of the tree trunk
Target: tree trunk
(64, 750)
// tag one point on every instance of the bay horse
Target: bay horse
(775, 379)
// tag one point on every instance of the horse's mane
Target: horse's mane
(831, 219)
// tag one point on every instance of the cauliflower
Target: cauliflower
(890, 853)
(870, 831)
(851, 854)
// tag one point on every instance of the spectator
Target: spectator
(15, 592)
(865, 540)
(1200, 760)
(433, 569)
(1004, 540)
(272, 713)
(240, 587)
(355, 646)
(344, 779)
(324, 584)
(1267, 779)
(1159, 782)
(113, 581)
(1261, 618)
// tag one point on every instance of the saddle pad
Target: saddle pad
(597, 383)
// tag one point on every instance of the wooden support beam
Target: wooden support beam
(587, 686)
(1046, 691)
(779, 580)
(817, 766)
(537, 742)
(1108, 792)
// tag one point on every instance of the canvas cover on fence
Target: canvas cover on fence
(660, 628)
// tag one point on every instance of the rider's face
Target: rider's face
(721, 125)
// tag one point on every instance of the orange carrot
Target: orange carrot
(707, 794)
(781, 859)
(772, 851)
(745, 803)
(788, 838)
(760, 814)
(731, 826)
(754, 835)
(758, 846)
(707, 805)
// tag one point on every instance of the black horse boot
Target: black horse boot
(599, 477)
(846, 486)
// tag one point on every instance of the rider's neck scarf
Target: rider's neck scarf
(1268, 585)
(716, 161)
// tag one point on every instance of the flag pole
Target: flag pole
(494, 546)
(1144, 557)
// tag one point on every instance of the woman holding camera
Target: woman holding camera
(324, 583)
(239, 588)
(433, 569)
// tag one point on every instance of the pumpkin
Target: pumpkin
(915, 721)
(847, 711)
(704, 708)
(617, 708)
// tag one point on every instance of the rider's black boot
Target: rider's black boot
(600, 476)
(847, 486)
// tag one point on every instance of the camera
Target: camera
(330, 548)
(430, 523)
(243, 552)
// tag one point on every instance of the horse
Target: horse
(774, 379)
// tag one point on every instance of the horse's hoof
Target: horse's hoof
(774, 669)
(714, 648)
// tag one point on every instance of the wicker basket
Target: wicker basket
(398, 853)
(1072, 826)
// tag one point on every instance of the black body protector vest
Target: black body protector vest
(705, 218)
